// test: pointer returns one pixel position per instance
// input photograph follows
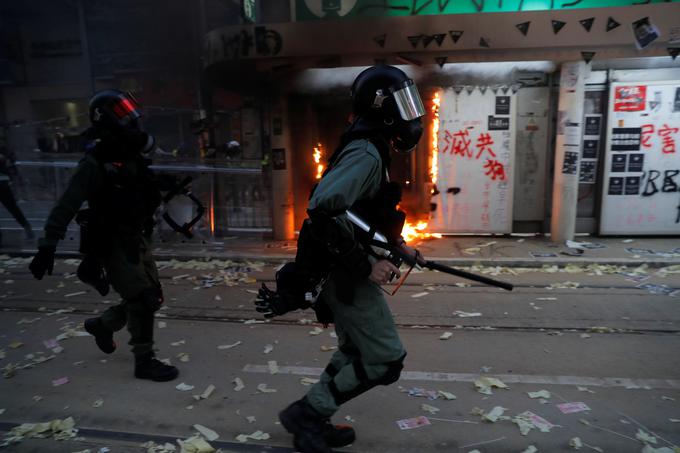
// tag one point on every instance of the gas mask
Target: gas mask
(406, 134)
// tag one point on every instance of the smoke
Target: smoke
(339, 80)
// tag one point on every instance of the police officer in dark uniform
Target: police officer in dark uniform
(387, 110)
(122, 195)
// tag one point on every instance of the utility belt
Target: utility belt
(97, 237)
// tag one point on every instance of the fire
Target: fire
(317, 160)
(417, 231)
(434, 170)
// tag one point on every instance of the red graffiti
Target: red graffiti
(494, 169)
(484, 142)
(647, 131)
(461, 143)
(448, 138)
(668, 142)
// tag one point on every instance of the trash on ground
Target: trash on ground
(162, 324)
(446, 335)
(667, 398)
(251, 419)
(526, 421)
(273, 367)
(152, 447)
(262, 388)
(494, 414)
(98, 403)
(564, 285)
(412, 423)
(206, 432)
(178, 343)
(530, 449)
(195, 444)
(205, 395)
(349, 418)
(15, 344)
(431, 409)
(446, 395)
(485, 384)
(239, 384)
(417, 295)
(184, 387)
(229, 346)
(650, 449)
(77, 293)
(584, 389)
(644, 437)
(257, 435)
(325, 348)
(183, 356)
(60, 381)
(57, 429)
(308, 381)
(316, 331)
(463, 314)
(268, 348)
(571, 408)
(540, 394)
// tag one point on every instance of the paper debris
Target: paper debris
(349, 418)
(667, 398)
(672, 420)
(493, 415)
(205, 395)
(564, 285)
(251, 419)
(571, 408)
(526, 421)
(60, 381)
(305, 321)
(253, 321)
(37, 398)
(530, 449)
(628, 241)
(195, 444)
(257, 435)
(650, 449)
(98, 403)
(206, 432)
(229, 346)
(262, 388)
(316, 331)
(268, 348)
(446, 335)
(162, 324)
(308, 381)
(463, 314)
(273, 367)
(585, 389)
(546, 298)
(152, 447)
(584, 335)
(239, 384)
(57, 429)
(178, 343)
(447, 395)
(417, 295)
(325, 348)
(644, 437)
(15, 344)
(471, 250)
(431, 409)
(485, 384)
(540, 394)
(183, 356)
(2, 411)
(78, 293)
(412, 423)
(184, 387)
(576, 443)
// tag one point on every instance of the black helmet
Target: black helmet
(386, 93)
(114, 108)
(387, 99)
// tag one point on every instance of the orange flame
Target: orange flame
(318, 153)
(418, 230)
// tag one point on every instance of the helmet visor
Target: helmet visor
(408, 100)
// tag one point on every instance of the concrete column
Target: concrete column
(568, 150)
(283, 214)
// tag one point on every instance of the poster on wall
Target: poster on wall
(476, 146)
(642, 193)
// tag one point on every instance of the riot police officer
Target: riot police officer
(387, 110)
(115, 179)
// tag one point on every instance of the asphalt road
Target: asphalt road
(533, 338)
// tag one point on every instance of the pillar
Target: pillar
(283, 214)
(568, 151)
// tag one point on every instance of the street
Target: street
(593, 339)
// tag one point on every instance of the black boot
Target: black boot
(92, 273)
(102, 336)
(338, 435)
(307, 426)
(148, 367)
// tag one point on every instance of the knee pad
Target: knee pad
(150, 299)
(393, 371)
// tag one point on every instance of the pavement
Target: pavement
(523, 250)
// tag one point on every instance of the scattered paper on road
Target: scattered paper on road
(540, 394)
(178, 343)
(447, 395)
(78, 293)
(463, 314)
(162, 324)
(571, 408)
(195, 444)
(446, 335)
(273, 367)
(98, 403)
(417, 295)
(205, 395)
(262, 388)
(576, 443)
(183, 356)
(526, 421)
(530, 449)
(316, 331)
(57, 429)
(584, 389)
(325, 348)
(308, 381)
(485, 384)
(644, 437)
(238, 384)
(268, 348)
(15, 344)
(60, 381)
(184, 387)
(431, 409)
(494, 414)
(229, 346)
(257, 435)
(412, 423)
(206, 432)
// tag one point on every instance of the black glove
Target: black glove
(271, 303)
(43, 261)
